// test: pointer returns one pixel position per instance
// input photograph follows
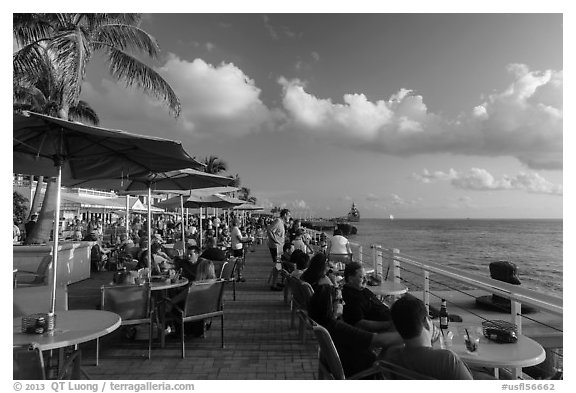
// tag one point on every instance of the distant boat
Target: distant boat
(354, 214)
(391, 217)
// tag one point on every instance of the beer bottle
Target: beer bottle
(443, 315)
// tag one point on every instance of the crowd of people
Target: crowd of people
(362, 327)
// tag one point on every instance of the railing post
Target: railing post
(426, 293)
(516, 315)
(396, 264)
(516, 318)
(375, 257)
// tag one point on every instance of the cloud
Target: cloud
(524, 121)
(477, 179)
(299, 204)
(216, 100)
(315, 56)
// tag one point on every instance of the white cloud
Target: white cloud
(524, 121)
(477, 179)
(299, 204)
(216, 100)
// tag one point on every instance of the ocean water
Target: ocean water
(535, 246)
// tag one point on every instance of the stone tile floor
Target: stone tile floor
(259, 344)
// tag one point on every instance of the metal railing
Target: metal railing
(389, 264)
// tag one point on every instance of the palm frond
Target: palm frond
(30, 28)
(27, 63)
(133, 72)
(71, 55)
(83, 112)
(125, 37)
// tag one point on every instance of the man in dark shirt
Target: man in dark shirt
(354, 346)
(362, 308)
(29, 226)
(417, 354)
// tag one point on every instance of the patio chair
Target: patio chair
(132, 303)
(28, 364)
(394, 371)
(204, 300)
(227, 273)
(329, 364)
(28, 278)
(301, 294)
(285, 276)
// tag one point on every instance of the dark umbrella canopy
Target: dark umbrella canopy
(216, 200)
(172, 182)
(44, 145)
(86, 152)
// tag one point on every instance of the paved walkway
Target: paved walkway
(259, 344)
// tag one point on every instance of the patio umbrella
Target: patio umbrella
(214, 200)
(171, 182)
(44, 145)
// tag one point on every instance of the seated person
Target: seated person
(301, 260)
(210, 239)
(413, 324)
(339, 249)
(205, 270)
(354, 345)
(319, 272)
(216, 255)
(300, 241)
(362, 308)
(285, 257)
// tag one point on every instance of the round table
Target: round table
(163, 287)
(524, 353)
(72, 327)
(388, 288)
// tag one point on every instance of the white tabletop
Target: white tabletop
(524, 353)
(72, 327)
(388, 288)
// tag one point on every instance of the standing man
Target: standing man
(237, 243)
(276, 235)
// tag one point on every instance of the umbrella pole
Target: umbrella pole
(56, 239)
(149, 230)
(200, 228)
(127, 212)
(182, 226)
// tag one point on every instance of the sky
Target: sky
(415, 115)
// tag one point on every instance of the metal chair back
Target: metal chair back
(27, 362)
(131, 302)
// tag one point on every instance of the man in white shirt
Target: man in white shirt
(276, 236)
(237, 242)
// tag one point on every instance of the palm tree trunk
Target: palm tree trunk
(41, 232)
(36, 200)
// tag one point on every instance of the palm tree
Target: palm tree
(43, 94)
(71, 40)
(244, 194)
(214, 165)
(64, 44)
